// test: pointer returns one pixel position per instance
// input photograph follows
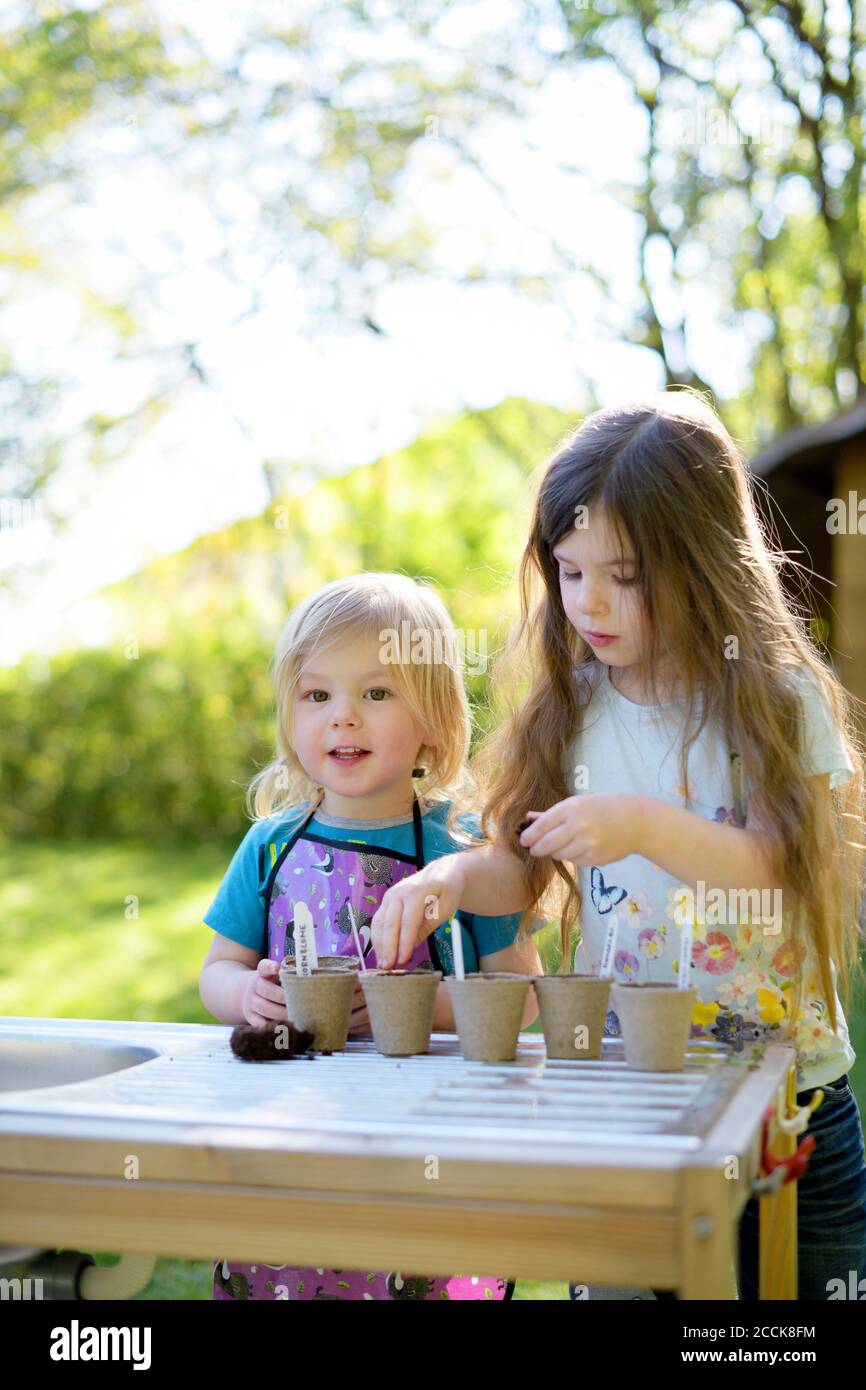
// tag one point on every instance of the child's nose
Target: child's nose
(343, 712)
(592, 599)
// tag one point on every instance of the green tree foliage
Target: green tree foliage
(340, 121)
(753, 183)
(158, 733)
(747, 201)
(66, 74)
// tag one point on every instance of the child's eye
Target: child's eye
(565, 574)
(377, 691)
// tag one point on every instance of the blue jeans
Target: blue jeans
(831, 1206)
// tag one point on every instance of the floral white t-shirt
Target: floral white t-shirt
(743, 970)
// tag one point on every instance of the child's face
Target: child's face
(599, 594)
(345, 697)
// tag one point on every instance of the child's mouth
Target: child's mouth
(348, 756)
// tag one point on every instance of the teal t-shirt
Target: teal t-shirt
(237, 911)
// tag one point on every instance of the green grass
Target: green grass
(114, 931)
(106, 930)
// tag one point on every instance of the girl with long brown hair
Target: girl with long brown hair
(672, 747)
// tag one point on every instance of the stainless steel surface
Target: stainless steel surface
(30, 1063)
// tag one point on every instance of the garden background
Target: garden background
(292, 291)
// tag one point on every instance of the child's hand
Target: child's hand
(263, 999)
(404, 916)
(587, 829)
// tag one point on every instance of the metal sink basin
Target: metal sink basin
(27, 1064)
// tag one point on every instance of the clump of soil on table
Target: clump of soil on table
(260, 1044)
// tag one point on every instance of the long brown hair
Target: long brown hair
(671, 480)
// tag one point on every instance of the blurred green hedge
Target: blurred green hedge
(162, 744)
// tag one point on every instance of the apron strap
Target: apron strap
(418, 829)
(274, 869)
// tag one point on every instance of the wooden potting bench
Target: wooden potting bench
(555, 1170)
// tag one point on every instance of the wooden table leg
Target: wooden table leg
(706, 1235)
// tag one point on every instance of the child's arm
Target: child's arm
(601, 829)
(693, 848)
(237, 985)
(488, 882)
(493, 882)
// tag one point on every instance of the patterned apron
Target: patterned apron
(327, 875)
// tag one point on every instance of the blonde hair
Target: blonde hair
(670, 478)
(430, 681)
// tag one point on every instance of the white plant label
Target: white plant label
(306, 959)
(609, 947)
(457, 949)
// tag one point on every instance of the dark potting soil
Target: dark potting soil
(260, 1044)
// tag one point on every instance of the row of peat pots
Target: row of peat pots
(655, 1019)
